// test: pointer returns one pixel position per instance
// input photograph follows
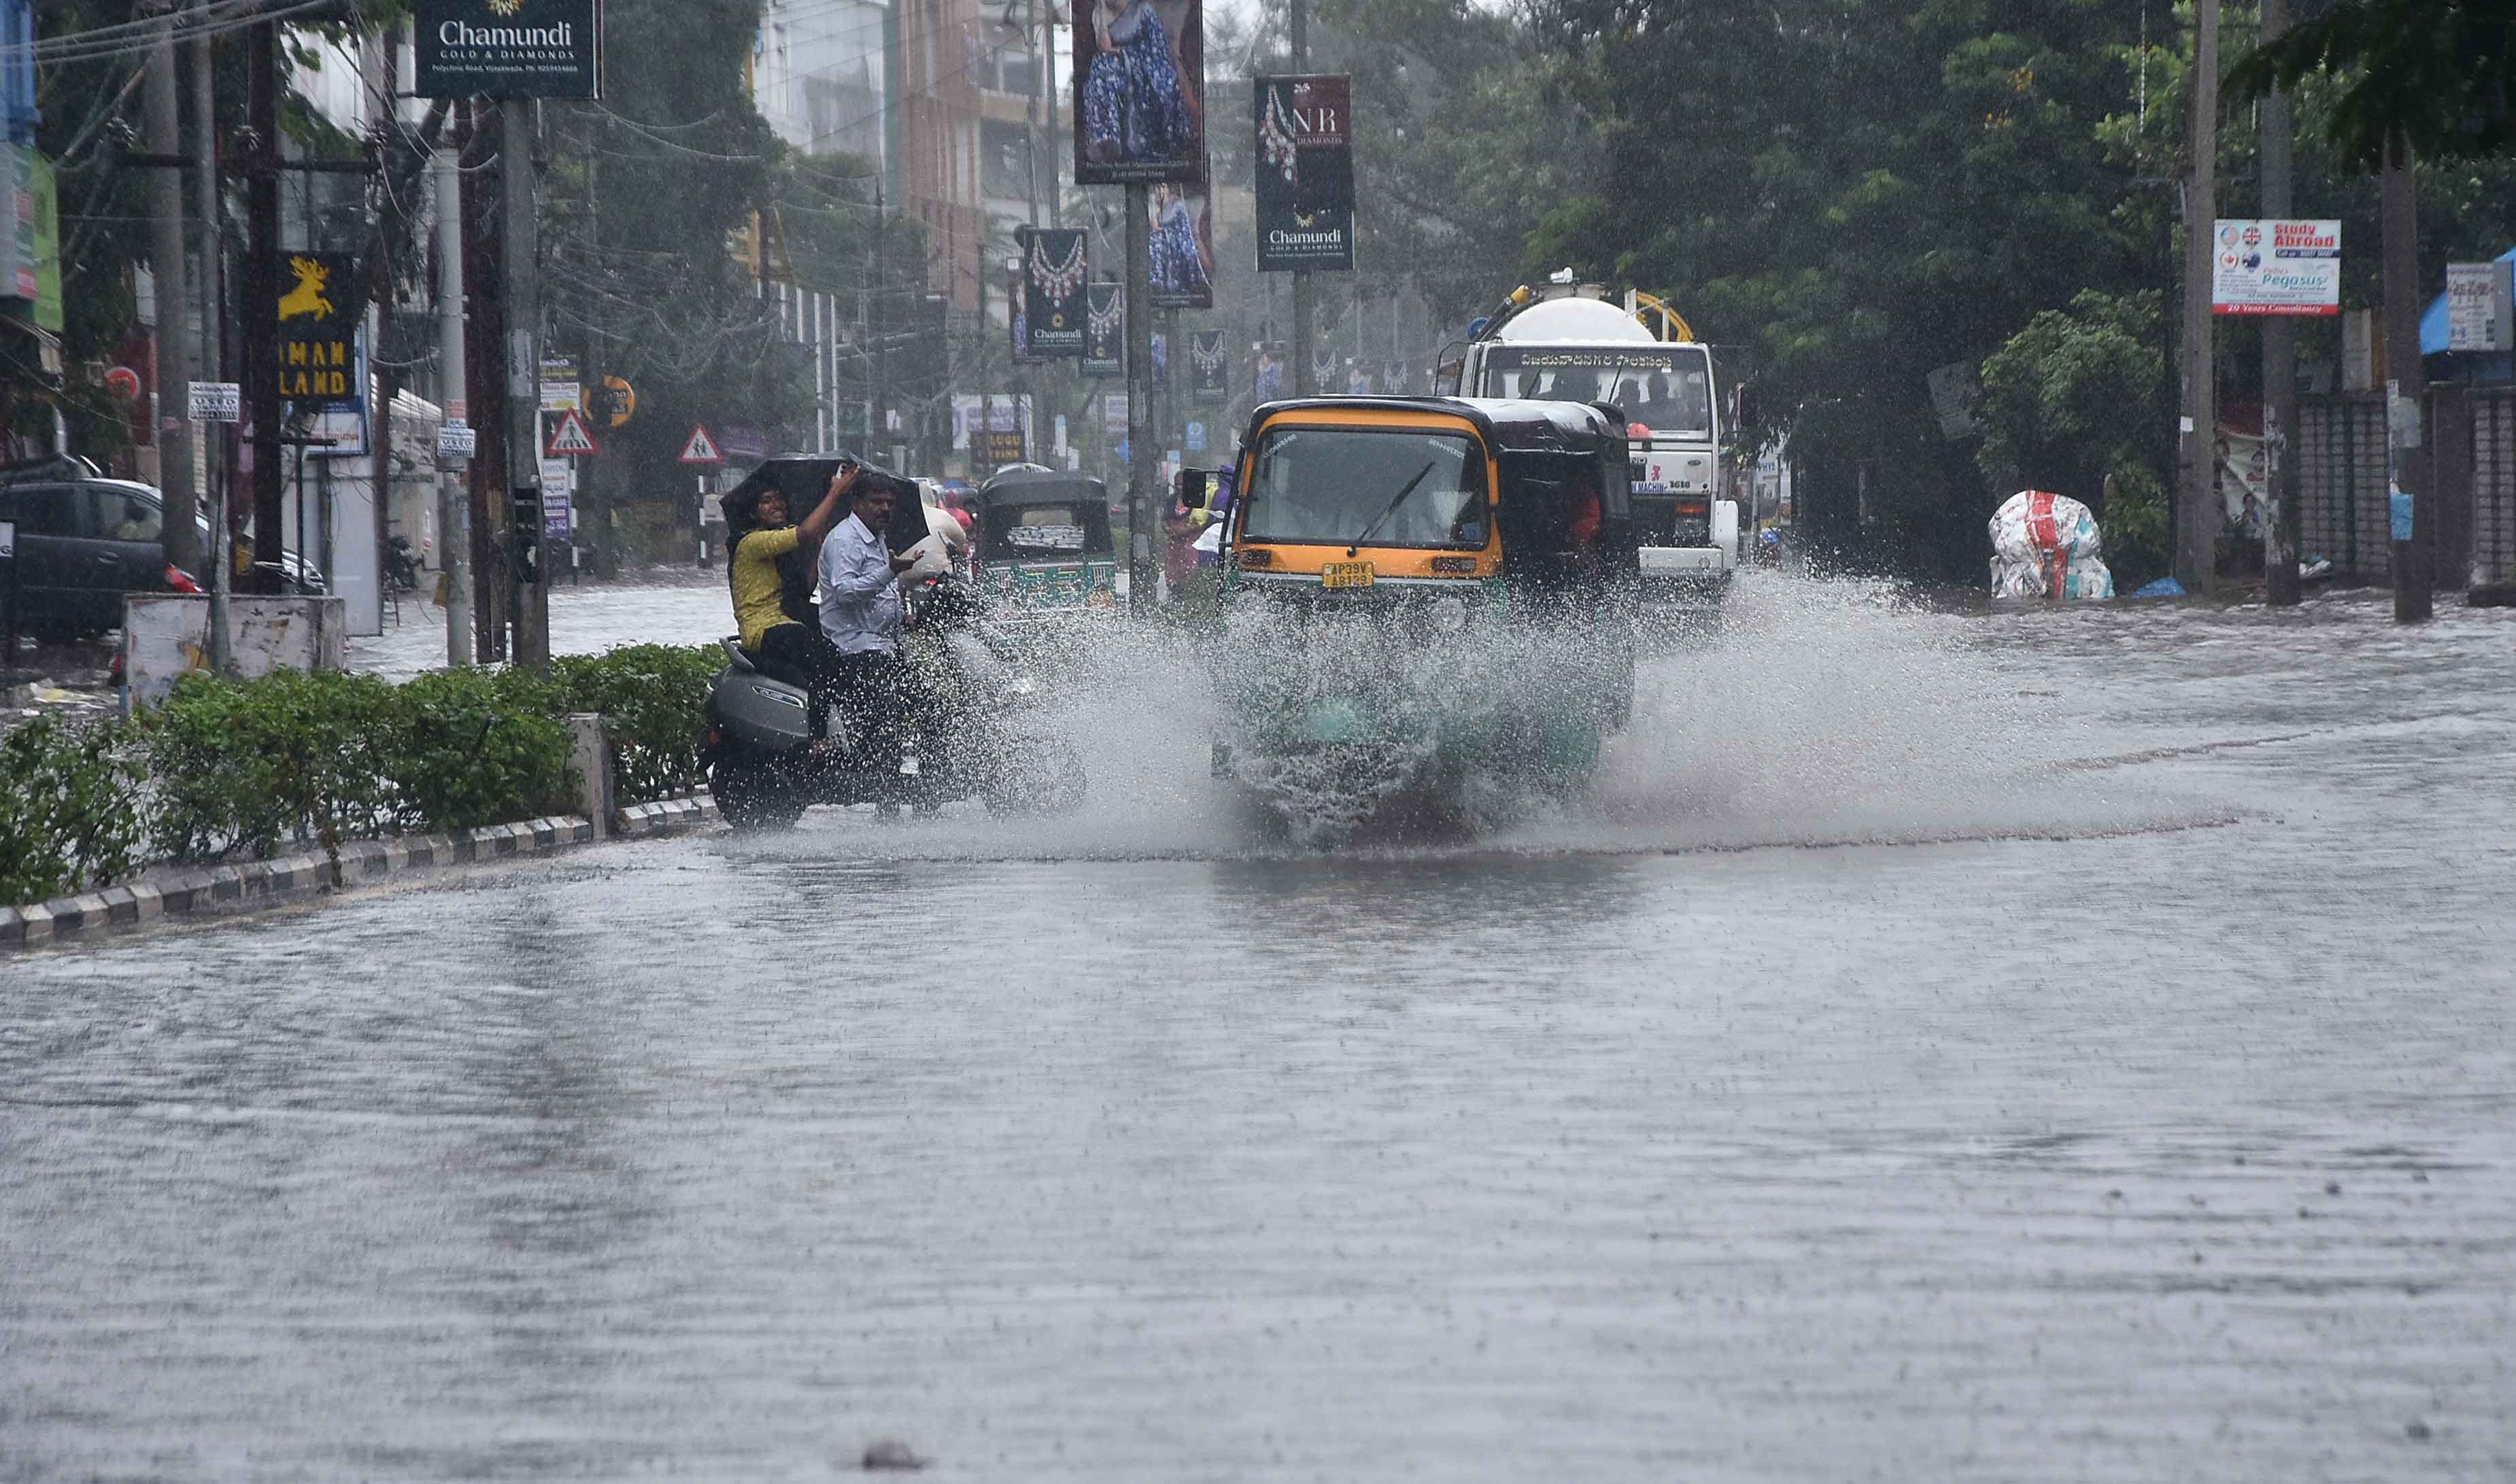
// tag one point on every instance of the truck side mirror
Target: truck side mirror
(1193, 487)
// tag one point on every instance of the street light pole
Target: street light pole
(2198, 508)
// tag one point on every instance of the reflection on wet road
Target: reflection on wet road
(1855, 1093)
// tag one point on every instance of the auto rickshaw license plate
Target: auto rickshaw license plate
(1345, 574)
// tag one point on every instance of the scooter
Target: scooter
(764, 771)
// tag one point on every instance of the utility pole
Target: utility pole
(166, 265)
(205, 168)
(2279, 348)
(453, 505)
(261, 308)
(1304, 383)
(485, 369)
(878, 330)
(2407, 386)
(531, 603)
(2197, 536)
(1140, 474)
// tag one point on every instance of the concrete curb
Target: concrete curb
(268, 882)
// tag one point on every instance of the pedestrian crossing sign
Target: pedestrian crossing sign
(568, 436)
(701, 449)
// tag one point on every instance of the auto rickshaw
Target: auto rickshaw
(1043, 547)
(1428, 608)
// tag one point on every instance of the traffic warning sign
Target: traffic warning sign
(701, 449)
(568, 436)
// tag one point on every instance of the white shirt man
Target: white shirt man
(860, 590)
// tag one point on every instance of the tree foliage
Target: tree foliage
(2439, 74)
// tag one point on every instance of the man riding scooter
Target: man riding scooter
(860, 622)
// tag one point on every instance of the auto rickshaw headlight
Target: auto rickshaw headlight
(1253, 556)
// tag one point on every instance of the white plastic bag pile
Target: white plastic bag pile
(2046, 544)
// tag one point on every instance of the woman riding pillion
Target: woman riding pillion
(762, 538)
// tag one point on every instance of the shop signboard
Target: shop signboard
(1139, 96)
(1304, 174)
(509, 48)
(2276, 268)
(1054, 280)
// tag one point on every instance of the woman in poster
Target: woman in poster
(1136, 108)
(1178, 262)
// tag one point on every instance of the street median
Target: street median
(237, 792)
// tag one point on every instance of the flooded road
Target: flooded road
(2046, 1044)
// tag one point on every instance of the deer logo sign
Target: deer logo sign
(307, 297)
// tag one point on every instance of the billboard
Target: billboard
(1182, 263)
(1304, 174)
(509, 48)
(2275, 267)
(1139, 91)
(1053, 297)
(1105, 329)
(1209, 366)
(320, 314)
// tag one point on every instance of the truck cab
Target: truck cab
(1568, 343)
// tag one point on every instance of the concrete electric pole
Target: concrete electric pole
(1142, 525)
(518, 247)
(1304, 383)
(2279, 348)
(2406, 389)
(172, 417)
(2197, 534)
(453, 500)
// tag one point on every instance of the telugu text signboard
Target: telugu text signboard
(1139, 92)
(2276, 268)
(2478, 306)
(1304, 174)
(509, 48)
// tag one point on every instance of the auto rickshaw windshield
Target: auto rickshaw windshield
(1388, 487)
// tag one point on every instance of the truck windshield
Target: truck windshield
(1323, 486)
(1667, 388)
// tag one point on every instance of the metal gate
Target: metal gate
(2343, 514)
(2493, 485)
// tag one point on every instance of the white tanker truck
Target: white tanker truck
(1565, 342)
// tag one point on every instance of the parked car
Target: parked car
(84, 541)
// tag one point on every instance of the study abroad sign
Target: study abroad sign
(2275, 267)
(509, 48)
(1304, 174)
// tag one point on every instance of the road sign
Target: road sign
(624, 399)
(217, 401)
(456, 440)
(701, 449)
(570, 436)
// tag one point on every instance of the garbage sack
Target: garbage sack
(2164, 587)
(2044, 545)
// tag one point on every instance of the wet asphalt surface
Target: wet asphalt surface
(2046, 1044)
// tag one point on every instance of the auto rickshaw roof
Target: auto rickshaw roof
(1508, 425)
(1021, 486)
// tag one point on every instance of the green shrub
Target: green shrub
(654, 701)
(253, 765)
(465, 748)
(70, 808)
